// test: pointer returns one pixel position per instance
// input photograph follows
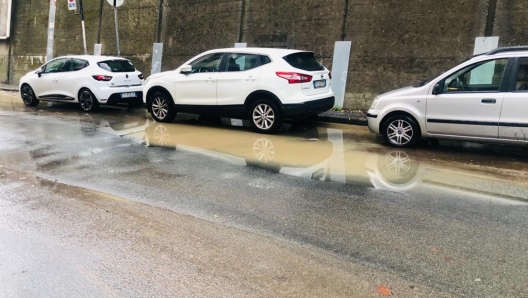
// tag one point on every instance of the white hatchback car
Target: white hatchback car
(263, 85)
(88, 80)
(484, 99)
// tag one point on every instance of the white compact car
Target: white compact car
(265, 86)
(87, 80)
(484, 99)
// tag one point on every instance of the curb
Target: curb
(8, 88)
(343, 118)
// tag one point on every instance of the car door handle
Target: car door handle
(55, 80)
(489, 100)
(249, 79)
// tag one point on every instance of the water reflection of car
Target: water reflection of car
(301, 153)
(397, 171)
(129, 126)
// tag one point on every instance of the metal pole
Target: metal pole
(83, 28)
(117, 29)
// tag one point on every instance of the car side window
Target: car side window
(207, 63)
(264, 60)
(55, 66)
(77, 64)
(486, 76)
(521, 83)
(242, 62)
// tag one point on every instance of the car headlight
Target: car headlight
(375, 103)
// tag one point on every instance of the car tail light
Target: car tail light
(141, 76)
(330, 75)
(294, 78)
(102, 78)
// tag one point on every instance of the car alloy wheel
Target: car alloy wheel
(87, 100)
(400, 132)
(263, 116)
(160, 107)
(28, 96)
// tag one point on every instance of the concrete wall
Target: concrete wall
(29, 37)
(395, 43)
(4, 61)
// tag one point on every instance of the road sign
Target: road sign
(72, 4)
(115, 3)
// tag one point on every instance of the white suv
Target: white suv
(87, 80)
(265, 86)
(483, 99)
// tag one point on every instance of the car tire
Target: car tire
(28, 96)
(265, 117)
(162, 108)
(401, 131)
(87, 101)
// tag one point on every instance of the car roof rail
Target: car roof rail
(507, 49)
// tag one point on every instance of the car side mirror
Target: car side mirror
(437, 89)
(186, 69)
(39, 72)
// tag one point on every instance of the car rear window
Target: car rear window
(117, 66)
(304, 60)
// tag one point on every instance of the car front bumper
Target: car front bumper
(308, 108)
(373, 120)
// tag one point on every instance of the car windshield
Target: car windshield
(305, 61)
(117, 66)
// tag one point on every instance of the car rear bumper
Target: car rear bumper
(308, 108)
(115, 99)
(112, 96)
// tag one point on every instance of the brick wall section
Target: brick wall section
(395, 43)
(511, 22)
(312, 25)
(194, 26)
(68, 29)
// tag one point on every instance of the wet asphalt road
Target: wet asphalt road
(113, 204)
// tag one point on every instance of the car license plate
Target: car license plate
(127, 95)
(319, 84)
